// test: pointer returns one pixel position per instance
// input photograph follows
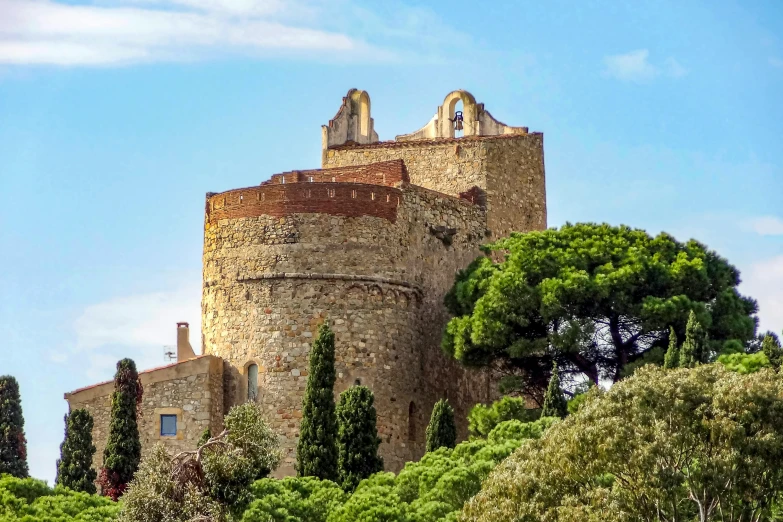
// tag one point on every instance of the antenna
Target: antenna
(168, 354)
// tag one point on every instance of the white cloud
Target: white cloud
(764, 282)
(635, 66)
(129, 31)
(768, 226)
(776, 62)
(136, 326)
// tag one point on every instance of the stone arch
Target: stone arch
(448, 108)
(361, 102)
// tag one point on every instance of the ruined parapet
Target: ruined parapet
(352, 123)
(476, 121)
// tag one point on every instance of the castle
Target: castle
(370, 242)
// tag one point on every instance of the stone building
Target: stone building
(370, 242)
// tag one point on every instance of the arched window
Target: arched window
(412, 422)
(252, 382)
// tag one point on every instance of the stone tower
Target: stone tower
(371, 242)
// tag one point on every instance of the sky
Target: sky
(118, 116)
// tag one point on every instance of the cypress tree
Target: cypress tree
(555, 404)
(441, 431)
(316, 452)
(772, 350)
(672, 357)
(357, 437)
(74, 469)
(123, 447)
(692, 351)
(13, 444)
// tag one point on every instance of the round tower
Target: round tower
(310, 246)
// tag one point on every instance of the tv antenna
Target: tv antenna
(169, 354)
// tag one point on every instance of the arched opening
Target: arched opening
(457, 112)
(412, 435)
(252, 382)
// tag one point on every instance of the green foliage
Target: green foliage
(30, 500)
(441, 431)
(205, 436)
(594, 298)
(744, 363)
(74, 469)
(578, 400)
(13, 444)
(771, 348)
(123, 448)
(658, 446)
(554, 402)
(293, 499)
(251, 451)
(207, 484)
(316, 452)
(156, 495)
(672, 359)
(694, 348)
(357, 437)
(431, 490)
(482, 419)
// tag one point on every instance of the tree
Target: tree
(483, 419)
(32, 500)
(441, 431)
(694, 347)
(593, 298)
(661, 446)
(555, 404)
(771, 348)
(123, 448)
(13, 444)
(672, 359)
(357, 437)
(74, 469)
(316, 452)
(208, 483)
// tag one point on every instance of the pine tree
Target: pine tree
(441, 431)
(555, 404)
(357, 437)
(123, 447)
(772, 350)
(13, 445)
(672, 357)
(316, 452)
(693, 349)
(74, 469)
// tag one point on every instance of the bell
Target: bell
(458, 120)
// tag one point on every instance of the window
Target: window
(168, 425)
(412, 422)
(252, 382)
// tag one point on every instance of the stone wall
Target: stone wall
(508, 168)
(269, 282)
(192, 390)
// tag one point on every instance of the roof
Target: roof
(140, 373)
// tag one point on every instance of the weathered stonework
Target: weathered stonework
(192, 390)
(371, 243)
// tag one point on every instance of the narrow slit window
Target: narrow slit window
(333, 178)
(372, 196)
(252, 382)
(388, 198)
(168, 425)
(310, 179)
(353, 194)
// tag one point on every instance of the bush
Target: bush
(483, 419)
(660, 445)
(293, 499)
(30, 500)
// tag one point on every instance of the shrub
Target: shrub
(30, 500)
(483, 419)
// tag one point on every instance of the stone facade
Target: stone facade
(192, 390)
(371, 243)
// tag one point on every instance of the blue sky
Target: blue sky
(117, 116)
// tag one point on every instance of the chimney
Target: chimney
(184, 350)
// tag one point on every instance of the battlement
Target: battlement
(388, 173)
(284, 199)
